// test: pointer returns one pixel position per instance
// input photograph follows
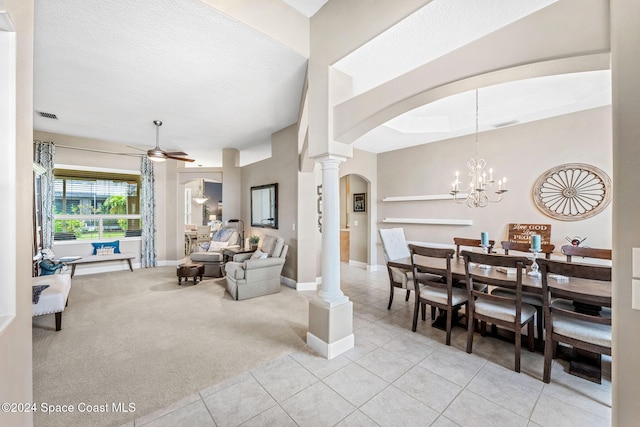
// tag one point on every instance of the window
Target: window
(95, 205)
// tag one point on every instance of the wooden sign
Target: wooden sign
(521, 233)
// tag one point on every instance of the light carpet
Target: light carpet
(137, 337)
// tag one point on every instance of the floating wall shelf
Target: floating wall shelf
(429, 221)
(422, 198)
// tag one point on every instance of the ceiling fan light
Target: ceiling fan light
(157, 159)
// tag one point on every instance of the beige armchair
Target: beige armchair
(249, 278)
(227, 237)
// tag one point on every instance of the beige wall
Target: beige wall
(281, 168)
(625, 41)
(521, 153)
(15, 338)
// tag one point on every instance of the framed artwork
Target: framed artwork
(360, 202)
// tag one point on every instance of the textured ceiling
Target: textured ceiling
(107, 69)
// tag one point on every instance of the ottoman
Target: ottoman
(190, 270)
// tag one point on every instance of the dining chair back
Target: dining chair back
(395, 247)
(575, 318)
(471, 243)
(503, 311)
(436, 288)
(571, 251)
(203, 234)
(547, 250)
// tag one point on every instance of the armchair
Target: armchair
(249, 276)
(211, 256)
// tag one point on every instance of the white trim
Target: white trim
(290, 283)
(171, 263)
(306, 286)
(96, 169)
(358, 264)
(422, 198)
(429, 221)
(329, 351)
(376, 267)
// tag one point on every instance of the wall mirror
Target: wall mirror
(264, 206)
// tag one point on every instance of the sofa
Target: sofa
(210, 254)
(255, 274)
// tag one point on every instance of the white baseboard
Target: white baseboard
(331, 350)
(377, 268)
(288, 282)
(358, 264)
(306, 286)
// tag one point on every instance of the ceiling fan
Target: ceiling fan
(158, 155)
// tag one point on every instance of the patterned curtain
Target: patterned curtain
(148, 213)
(44, 154)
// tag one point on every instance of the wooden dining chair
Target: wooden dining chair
(506, 312)
(547, 250)
(471, 243)
(437, 291)
(578, 319)
(527, 297)
(570, 251)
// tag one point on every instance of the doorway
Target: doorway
(354, 219)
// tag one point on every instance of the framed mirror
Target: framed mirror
(264, 206)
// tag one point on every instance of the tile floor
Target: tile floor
(396, 377)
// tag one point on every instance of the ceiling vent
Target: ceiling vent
(507, 123)
(47, 115)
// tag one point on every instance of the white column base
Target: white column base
(330, 350)
(330, 327)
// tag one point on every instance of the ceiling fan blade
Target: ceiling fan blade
(176, 153)
(184, 159)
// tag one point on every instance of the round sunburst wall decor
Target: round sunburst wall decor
(572, 192)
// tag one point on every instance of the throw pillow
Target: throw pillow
(217, 246)
(258, 254)
(115, 245)
(36, 291)
(223, 235)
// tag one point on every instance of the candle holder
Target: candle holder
(535, 269)
(485, 250)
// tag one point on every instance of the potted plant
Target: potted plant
(253, 241)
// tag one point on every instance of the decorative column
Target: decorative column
(330, 312)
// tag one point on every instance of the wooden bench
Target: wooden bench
(102, 258)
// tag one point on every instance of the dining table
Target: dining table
(595, 293)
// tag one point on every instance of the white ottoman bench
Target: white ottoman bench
(54, 298)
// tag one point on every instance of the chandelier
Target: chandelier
(475, 194)
(201, 197)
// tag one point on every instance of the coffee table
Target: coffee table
(190, 270)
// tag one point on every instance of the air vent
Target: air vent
(47, 115)
(507, 123)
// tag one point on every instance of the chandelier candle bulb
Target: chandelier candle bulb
(484, 238)
(535, 242)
